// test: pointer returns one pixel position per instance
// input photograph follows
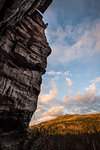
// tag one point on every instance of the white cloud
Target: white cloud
(67, 73)
(43, 119)
(77, 110)
(54, 73)
(54, 111)
(92, 88)
(84, 38)
(96, 80)
(51, 95)
(38, 110)
(69, 82)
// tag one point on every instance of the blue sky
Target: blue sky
(72, 82)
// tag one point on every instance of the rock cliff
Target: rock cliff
(23, 59)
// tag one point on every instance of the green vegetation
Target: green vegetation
(68, 132)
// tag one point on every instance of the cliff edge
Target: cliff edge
(23, 59)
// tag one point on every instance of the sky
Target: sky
(71, 84)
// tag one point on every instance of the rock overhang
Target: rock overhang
(13, 11)
(23, 58)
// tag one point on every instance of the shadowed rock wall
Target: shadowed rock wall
(23, 59)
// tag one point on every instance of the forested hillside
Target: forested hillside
(68, 132)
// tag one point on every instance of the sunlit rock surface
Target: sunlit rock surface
(23, 59)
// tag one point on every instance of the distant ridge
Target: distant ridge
(72, 123)
(68, 132)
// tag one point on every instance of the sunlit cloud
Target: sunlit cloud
(54, 111)
(92, 86)
(79, 104)
(78, 97)
(51, 95)
(66, 98)
(69, 90)
(69, 82)
(38, 110)
(43, 119)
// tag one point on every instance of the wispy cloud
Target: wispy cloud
(66, 98)
(54, 111)
(93, 84)
(69, 82)
(51, 95)
(96, 80)
(42, 119)
(54, 73)
(78, 97)
(76, 42)
(77, 110)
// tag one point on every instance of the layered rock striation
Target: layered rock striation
(23, 59)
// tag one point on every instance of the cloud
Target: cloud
(69, 90)
(71, 12)
(92, 88)
(87, 103)
(76, 42)
(74, 36)
(96, 80)
(43, 119)
(54, 111)
(49, 106)
(38, 110)
(78, 97)
(77, 110)
(69, 82)
(54, 73)
(66, 98)
(67, 73)
(44, 98)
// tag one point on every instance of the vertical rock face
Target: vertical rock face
(23, 58)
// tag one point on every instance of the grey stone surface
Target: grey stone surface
(23, 59)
